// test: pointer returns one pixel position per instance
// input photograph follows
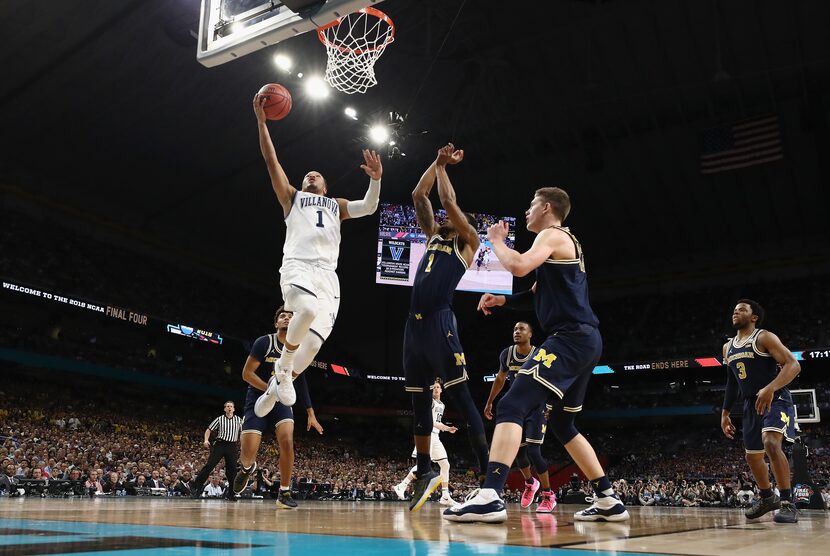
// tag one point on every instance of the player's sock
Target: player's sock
(786, 495)
(445, 492)
(285, 489)
(529, 481)
(424, 465)
(406, 481)
(767, 492)
(496, 476)
(287, 359)
(602, 487)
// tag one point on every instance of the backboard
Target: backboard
(806, 406)
(229, 29)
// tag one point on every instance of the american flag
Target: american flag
(743, 144)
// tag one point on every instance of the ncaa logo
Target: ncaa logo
(802, 493)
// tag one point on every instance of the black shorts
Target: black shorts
(251, 423)
(536, 424)
(563, 365)
(432, 348)
(780, 419)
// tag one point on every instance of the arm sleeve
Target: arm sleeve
(260, 348)
(521, 301)
(503, 361)
(301, 387)
(731, 390)
(368, 204)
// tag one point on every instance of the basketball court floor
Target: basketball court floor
(138, 526)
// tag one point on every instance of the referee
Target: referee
(225, 446)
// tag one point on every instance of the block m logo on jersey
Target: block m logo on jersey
(785, 418)
(544, 358)
(460, 360)
(396, 252)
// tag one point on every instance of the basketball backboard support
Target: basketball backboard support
(806, 406)
(229, 29)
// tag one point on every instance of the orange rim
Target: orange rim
(369, 11)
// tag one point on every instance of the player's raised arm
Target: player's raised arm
(790, 368)
(423, 207)
(448, 155)
(522, 264)
(279, 181)
(369, 204)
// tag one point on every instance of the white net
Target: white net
(354, 43)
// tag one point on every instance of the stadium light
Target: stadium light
(379, 134)
(283, 62)
(391, 143)
(350, 112)
(300, 75)
(316, 88)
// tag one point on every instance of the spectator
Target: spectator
(92, 484)
(213, 489)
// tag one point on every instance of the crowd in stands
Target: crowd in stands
(112, 449)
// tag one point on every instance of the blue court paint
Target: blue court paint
(252, 543)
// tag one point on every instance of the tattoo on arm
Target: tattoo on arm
(425, 216)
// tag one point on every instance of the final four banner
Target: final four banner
(394, 259)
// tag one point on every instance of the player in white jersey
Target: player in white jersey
(437, 452)
(310, 288)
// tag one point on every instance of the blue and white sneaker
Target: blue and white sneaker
(604, 508)
(484, 507)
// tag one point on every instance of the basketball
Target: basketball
(278, 104)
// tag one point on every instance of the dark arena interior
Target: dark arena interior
(141, 243)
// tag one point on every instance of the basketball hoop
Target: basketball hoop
(354, 42)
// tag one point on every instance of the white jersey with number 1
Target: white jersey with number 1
(313, 231)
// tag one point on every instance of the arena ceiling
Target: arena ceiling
(105, 112)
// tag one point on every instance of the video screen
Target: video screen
(401, 244)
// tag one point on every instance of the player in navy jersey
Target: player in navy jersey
(432, 347)
(753, 357)
(559, 369)
(511, 360)
(258, 369)
(309, 283)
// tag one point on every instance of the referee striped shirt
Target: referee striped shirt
(229, 428)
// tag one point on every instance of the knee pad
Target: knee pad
(534, 453)
(422, 407)
(444, 466)
(562, 426)
(521, 457)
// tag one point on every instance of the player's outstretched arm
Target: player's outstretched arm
(279, 181)
(446, 193)
(789, 370)
(423, 207)
(369, 204)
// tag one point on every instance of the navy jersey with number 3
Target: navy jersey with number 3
(753, 368)
(438, 274)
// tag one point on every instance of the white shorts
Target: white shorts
(436, 449)
(323, 284)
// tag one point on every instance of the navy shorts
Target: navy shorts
(277, 416)
(432, 348)
(536, 424)
(780, 419)
(563, 365)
